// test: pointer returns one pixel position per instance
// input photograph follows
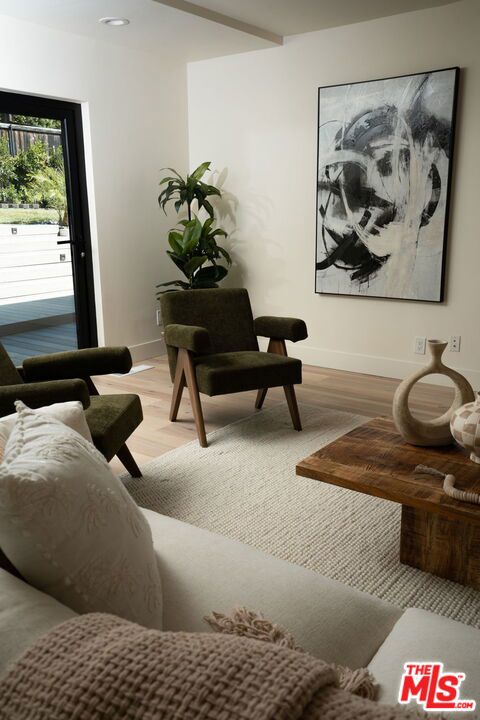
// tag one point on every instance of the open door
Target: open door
(46, 277)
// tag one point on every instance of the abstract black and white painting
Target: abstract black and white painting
(384, 168)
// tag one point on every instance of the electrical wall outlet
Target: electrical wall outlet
(420, 345)
(455, 342)
(158, 315)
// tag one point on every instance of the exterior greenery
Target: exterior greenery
(29, 120)
(193, 245)
(34, 175)
(22, 216)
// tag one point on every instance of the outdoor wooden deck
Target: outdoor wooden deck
(39, 342)
(38, 327)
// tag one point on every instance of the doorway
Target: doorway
(46, 276)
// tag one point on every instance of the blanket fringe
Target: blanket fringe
(247, 623)
(250, 624)
(358, 682)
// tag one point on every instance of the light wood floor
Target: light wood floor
(364, 394)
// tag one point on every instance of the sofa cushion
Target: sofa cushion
(246, 370)
(202, 571)
(71, 528)
(25, 614)
(69, 413)
(420, 635)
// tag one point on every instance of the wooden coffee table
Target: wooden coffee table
(438, 534)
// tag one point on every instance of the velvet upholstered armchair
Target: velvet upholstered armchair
(64, 376)
(212, 347)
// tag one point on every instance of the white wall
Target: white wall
(255, 116)
(135, 123)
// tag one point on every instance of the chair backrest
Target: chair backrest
(9, 374)
(225, 313)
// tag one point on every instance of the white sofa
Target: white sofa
(202, 572)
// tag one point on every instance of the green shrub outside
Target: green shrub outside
(23, 216)
(34, 175)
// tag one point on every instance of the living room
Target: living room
(319, 487)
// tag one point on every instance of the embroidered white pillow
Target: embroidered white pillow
(71, 413)
(71, 528)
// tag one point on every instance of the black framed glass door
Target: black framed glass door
(46, 275)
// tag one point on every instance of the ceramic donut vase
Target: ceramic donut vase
(437, 431)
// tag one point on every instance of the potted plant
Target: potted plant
(193, 245)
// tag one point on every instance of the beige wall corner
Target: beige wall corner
(261, 132)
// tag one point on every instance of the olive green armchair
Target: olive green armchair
(64, 376)
(212, 347)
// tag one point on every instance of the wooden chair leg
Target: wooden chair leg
(126, 458)
(279, 348)
(292, 406)
(178, 385)
(260, 398)
(191, 381)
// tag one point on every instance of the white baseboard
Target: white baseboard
(337, 360)
(147, 350)
(374, 365)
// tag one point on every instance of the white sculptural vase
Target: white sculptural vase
(465, 428)
(437, 431)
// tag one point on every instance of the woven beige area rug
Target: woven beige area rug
(244, 486)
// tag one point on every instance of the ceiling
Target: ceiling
(159, 26)
(154, 28)
(289, 17)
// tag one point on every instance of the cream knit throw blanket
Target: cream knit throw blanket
(99, 667)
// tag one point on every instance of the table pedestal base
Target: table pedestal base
(435, 544)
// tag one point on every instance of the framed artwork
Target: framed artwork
(383, 186)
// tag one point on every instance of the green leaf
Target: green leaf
(194, 230)
(179, 262)
(163, 198)
(180, 283)
(187, 233)
(214, 273)
(221, 272)
(173, 171)
(210, 189)
(208, 207)
(200, 171)
(168, 179)
(193, 264)
(174, 239)
(225, 254)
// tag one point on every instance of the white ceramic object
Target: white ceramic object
(465, 428)
(437, 431)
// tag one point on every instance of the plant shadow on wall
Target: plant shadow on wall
(255, 250)
(226, 206)
(193, 245)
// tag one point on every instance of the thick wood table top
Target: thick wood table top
(373, 459)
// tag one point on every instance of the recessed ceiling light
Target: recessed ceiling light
(114, 21)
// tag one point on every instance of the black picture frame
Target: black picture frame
(446, 187)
